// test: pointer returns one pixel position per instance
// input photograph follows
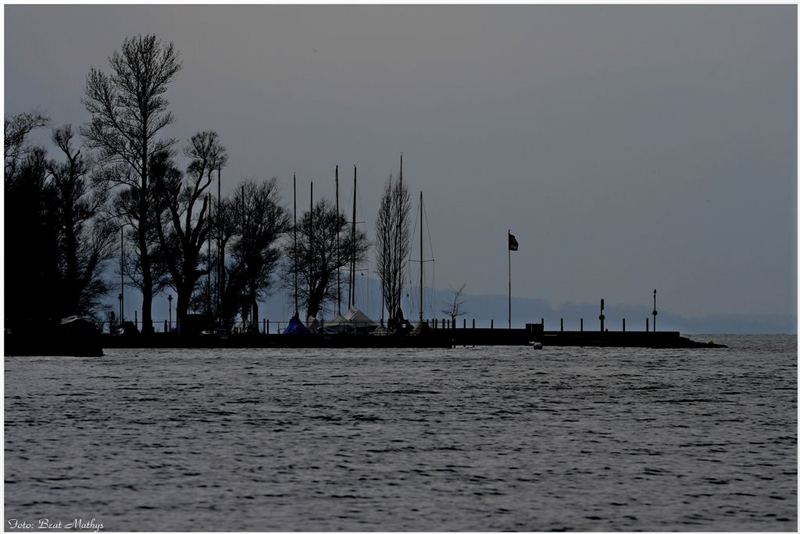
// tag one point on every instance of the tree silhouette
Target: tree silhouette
(316, 261)
(16, 130)
(55, 235)
(128, 110)
(223, 231)
(393, 244)
(454, 310)
(31, 244)
(126, 212)
(258, 221)
(85, 238)
(184, 222)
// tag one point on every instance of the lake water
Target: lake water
(484, 438)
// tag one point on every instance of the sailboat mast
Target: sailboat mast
(244, 240)
(294, 182)
(310, 245)
(220, 249)
(421, 262)
(398, 239)
(352, 301)
(338, 257)
(208, 258)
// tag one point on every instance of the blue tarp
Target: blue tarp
(295, 327)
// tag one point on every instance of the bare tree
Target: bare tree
(260, 221)
(31, 240)
(393, 244)
(316, 260)
(16, 130)
(128, 111)
(183, 225)
(31, 244)
(57, 238)
(125, 210)
(454, 310)
(85, 238)
(222, 222)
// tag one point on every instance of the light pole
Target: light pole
(655, 312)
(220, 251)
(169, 298)
(122, 272)
(602, 315)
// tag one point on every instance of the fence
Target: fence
(268, 326)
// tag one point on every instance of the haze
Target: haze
(627, 147)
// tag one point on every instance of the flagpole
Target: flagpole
(508, 245)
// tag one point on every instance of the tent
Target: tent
(295, 327)
(337, 325)
(353, 321)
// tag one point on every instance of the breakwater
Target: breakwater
(438, 338)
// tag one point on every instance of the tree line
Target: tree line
(118, 183)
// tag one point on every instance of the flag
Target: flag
(512, 242)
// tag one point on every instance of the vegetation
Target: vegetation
(183, 221)
(393, 244)
(56, 232)
(455, 308)
(128, 109)
(255, 221)
(122, 184)
(315, 260)
(84, 232)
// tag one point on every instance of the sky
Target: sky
(626, 147)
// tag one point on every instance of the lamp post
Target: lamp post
(602, 315)
(122, 275)
(655, 312)
(220, 250)
(169, 298)
(122, 271)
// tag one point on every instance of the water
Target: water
(484, 438)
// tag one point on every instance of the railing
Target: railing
(268, 326)
(163, 327)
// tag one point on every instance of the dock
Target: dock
(434, 338)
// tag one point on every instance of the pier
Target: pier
(433, 338)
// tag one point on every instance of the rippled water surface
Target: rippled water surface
(484, 438)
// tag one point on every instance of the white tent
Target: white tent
(354, 320)
(359, 318)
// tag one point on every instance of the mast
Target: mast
(655, 312)
(338, 257)
(398, 239)
(509, 278)
(421, 261)
(220, 251)
(310, 246)
(208, 258)
(244, 239)
(352, 298)
(122, 276)
(294, 183)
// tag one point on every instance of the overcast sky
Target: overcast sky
(628, 148)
